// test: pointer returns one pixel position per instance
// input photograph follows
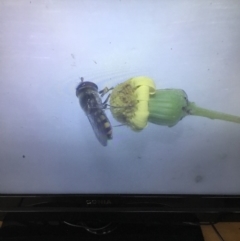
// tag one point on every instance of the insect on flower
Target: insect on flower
(91, 103)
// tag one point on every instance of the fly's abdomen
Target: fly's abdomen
(102, 122)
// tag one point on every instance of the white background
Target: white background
(46, 142)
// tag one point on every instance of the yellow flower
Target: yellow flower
(129, 101)
(136, 102)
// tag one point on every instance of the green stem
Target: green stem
(193, 109)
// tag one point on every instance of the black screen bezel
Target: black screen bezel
(121, 208)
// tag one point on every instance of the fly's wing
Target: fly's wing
(98, 129)
(97, 117)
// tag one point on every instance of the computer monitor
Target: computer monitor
(65, 152)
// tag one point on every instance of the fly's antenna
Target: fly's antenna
(82, 79)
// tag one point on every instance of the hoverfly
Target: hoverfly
(92, 105)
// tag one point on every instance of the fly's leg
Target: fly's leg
(102, 93)
(105, 91)
(105, 102)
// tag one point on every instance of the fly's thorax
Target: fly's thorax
(89, 100)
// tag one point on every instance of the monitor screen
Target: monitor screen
(54, 55)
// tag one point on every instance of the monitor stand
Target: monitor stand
(112, 231)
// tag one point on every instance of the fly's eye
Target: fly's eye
(81, 85)
(79, 88)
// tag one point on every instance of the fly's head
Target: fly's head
(85, 85)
